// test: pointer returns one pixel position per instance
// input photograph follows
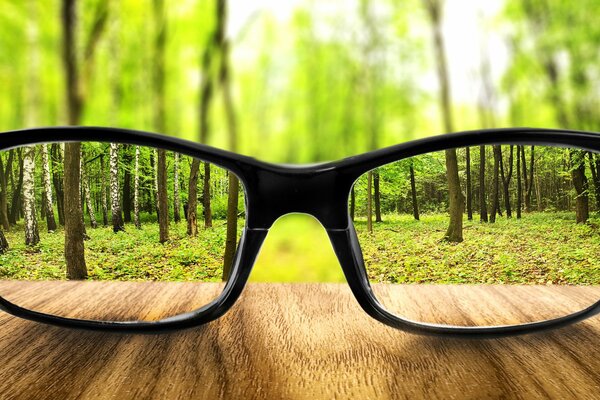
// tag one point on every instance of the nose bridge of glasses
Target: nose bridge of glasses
(322, 194)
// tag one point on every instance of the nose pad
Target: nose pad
(297, 249)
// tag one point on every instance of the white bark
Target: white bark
(32, 235)
(136, 189)
(117, 218)
(176, 199)
(103, 195)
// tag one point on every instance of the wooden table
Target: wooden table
(294, 341)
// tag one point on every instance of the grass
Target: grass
(134, 254)
(540, 248)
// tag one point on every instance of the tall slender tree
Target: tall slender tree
(160, 122)
(413, 191)
(455, 196)
(136, 190)
(208, 61)
(483, 215)
(47, 196)
(32, 235)
(4, 173)
(506, 174)
(176, 196)
(232, 127)
(117, 216)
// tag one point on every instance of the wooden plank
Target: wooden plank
(293, 341)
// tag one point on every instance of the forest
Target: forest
(301, 82)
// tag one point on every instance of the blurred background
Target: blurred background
(309, 80)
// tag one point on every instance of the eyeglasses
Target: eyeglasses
(497, 228)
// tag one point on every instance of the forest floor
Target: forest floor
(540, 248)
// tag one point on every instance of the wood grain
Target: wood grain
(292, 341)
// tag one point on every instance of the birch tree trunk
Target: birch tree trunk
(136, 190)
(32, 234)
(117, 217)
(47, 198)
(176, 200)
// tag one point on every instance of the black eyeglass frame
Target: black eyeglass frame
(321, 190)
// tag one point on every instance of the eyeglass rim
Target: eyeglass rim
(341, 174)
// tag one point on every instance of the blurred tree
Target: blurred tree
(456, 198)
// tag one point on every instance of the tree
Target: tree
(4, 173)
(117, 218)
(233, 186)
(3, 242)
(176, 197)
(496, 185)
(103, 189)
(47, 196)
(519, 185)
(483, 216)
(206, 93)
(413, 190)
(580, 182)
(506, 177)
(87, 195)
(74, 235)
(56, 158)
(159, 91)
(76, 88)
(455, 197)
(136, 190)
(32, 235)
(163, 205)
(469, 194)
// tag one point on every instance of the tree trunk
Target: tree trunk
(15, 209)
(206, 197)
(87, 195)
(3, 242)
(192, 207)
(74, 228)
(4, 190)
(456, 198)
(413, 190)
(57, 180)
(117, 218)
(176, 198)
(496, 189)
(163, 205)
(469, 193)
(232, 127)
(483, 216)
(519, 187)
(580, 182)
(594, 161)
(377, 196)
(32, 234)
(127, 160)
(47, 197)
(506, 177)
(103, 188)
(370, 202)
(136, 190)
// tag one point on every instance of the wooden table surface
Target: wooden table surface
(294, 341)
